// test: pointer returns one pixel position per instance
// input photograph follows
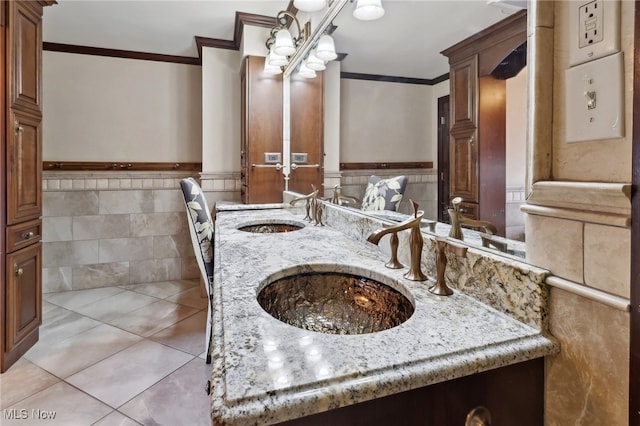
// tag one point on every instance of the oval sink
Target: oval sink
(336, 303)
(270, 227)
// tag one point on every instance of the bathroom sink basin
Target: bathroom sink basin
(336, 303)
(271, 227)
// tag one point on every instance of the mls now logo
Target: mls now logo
(15, 414)
(23, 414)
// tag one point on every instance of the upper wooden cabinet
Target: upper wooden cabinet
(25, 53)
(477, 137)
(24, 166)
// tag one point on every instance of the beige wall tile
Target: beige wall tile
(190, 269)
(179, 245)
(69, 203)
(147, 271)
(56, 229)
(607, 258)
(556, 245)
(587, 382)
(100, 275)
(135, 201)
(124, 249)
(168, 200)
(153, 224)
(69, 253)
(101, 226)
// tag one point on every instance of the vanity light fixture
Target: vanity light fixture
(280, 41)
(368, 10)
(305, 71)
(310, 5)
(315, 63)
(270, 68)
(326, 49)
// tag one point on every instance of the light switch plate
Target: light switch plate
(299, 157)
(272, 157)
(594, 99)
(594, 29)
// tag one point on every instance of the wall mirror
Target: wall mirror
(500, 245)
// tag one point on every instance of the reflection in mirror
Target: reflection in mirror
(514, 171)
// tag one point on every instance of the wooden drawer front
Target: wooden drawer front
(26, 55)
(24, 291)
(24, 165)
(23, 235)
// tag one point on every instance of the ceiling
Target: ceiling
(405, 42)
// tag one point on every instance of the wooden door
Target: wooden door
(443, 159)
(23, 313)
(263, 182)
(307, 134)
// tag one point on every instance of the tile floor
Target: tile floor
(124, 356)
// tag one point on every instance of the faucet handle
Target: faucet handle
(440, 288)
(455, 202)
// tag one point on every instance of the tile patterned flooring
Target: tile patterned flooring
(129, 355)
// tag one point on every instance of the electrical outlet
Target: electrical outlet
(594, 28)
(590, 23)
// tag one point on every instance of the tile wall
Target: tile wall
(105, 229)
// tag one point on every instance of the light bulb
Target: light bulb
(315, 63)
(310, 5)
(326, 49)
(368, 10)
(284, 43)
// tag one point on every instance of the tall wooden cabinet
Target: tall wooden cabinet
(20, 177)
(262, 132)
(477, 137)
(307, 133)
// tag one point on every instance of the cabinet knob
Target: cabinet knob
(479, 416)
(19, 271)
(471, 139)
(18, 127)
(27, 235)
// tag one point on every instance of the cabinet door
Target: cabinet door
(262, 133)
(463, 174)
(23, 294)
(307, 134)
(25, 41)
(463, 149)
(464, 87)
(24, 166)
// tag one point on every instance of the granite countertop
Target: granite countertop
(265, 371)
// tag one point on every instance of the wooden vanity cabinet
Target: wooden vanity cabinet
(477, 137)
(514, 395)
(20, 177)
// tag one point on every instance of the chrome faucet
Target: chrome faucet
(313, 206)
(440, 288)
(457, 220)
(415, 243)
